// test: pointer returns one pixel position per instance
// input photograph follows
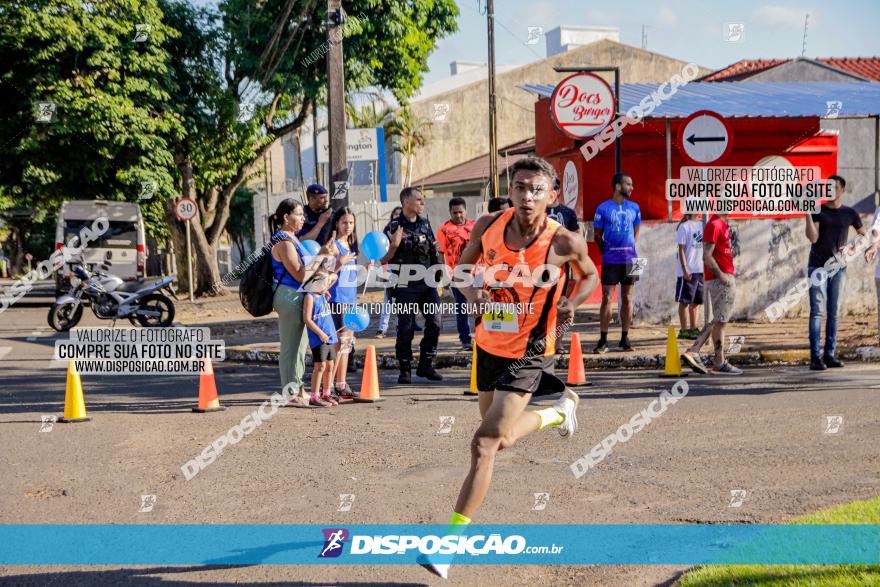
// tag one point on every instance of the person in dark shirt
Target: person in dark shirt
(828, 232)
(496, 204)
(318, 215)
(562, 213)
(412, 242)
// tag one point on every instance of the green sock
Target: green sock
(459, 520)
(549, 417)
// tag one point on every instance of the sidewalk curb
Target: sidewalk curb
(462, 359)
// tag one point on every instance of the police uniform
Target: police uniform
(312, 221)
(417, 247)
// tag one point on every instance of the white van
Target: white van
(124, 243)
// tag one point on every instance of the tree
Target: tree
(412, 134)
(82, 106)
(240, 226)
(270, 56)
(373, 114)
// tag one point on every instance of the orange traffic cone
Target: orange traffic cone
(672, 366)
(74, 403)
(576, 374)
(370, 382)
(473, 388)
(208, 400)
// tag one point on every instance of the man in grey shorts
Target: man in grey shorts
(721, 287)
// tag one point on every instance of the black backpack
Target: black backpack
(257, 287)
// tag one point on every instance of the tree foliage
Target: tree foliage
(108, 136)
(190, 107)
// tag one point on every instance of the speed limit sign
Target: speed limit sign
(185, 209)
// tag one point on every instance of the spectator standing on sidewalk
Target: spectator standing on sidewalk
(616, 229)
(290, 273)
(452, 237)
(871, 254)
(385, 316)
(499, 204)
(413, 243)
(721, 285)
(343, 295)
(562, 213)
(318, 215)
(689, 284)
(828, 232)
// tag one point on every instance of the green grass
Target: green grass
(860, 512)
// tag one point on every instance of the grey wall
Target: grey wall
(772, 258)
(855, 158)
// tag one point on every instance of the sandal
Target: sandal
(320, 403)
(346, 392)
(329, 398)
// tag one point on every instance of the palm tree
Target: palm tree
(412, 134)
(375, 114)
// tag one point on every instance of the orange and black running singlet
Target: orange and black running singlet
(533, 319)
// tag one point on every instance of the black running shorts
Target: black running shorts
(533, 375)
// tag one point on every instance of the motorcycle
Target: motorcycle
(112, 299)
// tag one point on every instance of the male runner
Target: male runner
(515, 348)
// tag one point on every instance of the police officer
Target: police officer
(412, 242)
(318, 214)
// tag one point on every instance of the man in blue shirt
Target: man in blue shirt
(616, 229)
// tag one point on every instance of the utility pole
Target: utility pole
(806, 25)
(493, 138)
(338, 187)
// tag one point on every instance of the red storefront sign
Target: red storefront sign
(582, 105)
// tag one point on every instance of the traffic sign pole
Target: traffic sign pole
(189, 261)
(186, 210)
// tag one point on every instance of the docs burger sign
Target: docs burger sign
(582, 105)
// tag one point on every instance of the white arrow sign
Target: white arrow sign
(705, 137)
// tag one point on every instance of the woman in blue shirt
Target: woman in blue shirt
(290, 270)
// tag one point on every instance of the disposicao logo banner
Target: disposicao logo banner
(658, 544)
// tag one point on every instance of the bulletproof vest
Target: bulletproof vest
(418, 246)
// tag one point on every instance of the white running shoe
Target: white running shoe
(567, 406)
(439, 569)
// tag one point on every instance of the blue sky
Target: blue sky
(690, 30)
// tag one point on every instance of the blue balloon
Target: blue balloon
(375, 245)
(311, 246)
(356, 318)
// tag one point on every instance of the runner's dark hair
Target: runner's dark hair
(838, 178)
(536, 164)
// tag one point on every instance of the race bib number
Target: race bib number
(501, 318)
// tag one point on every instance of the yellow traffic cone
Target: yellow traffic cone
(74, 403)
(673, 359)
(473, 388)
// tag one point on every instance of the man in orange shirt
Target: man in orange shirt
(517, 332)
(452, 237)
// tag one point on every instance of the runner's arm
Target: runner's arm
(572, 249)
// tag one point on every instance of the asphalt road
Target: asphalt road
(765, 435)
